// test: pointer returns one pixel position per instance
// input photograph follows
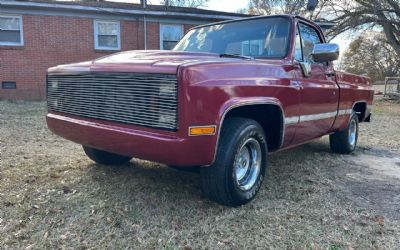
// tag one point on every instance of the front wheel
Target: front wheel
(345, 142)
(239, 168)
(104, 157)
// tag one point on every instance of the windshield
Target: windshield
(259, 38)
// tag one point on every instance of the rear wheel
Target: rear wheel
(238, 171)
(104, 157)
(345, 142)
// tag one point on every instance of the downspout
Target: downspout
(145, 32)
(144, 4)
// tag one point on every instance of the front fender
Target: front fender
(218, 115)
(210, 91)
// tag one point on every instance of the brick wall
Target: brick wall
(54, 40)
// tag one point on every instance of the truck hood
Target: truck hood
(155, 61)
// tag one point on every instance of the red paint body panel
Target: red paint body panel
(130, 140)
(208, 87)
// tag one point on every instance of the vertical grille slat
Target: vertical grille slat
(148, 100)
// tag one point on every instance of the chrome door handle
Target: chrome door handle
(295, 84)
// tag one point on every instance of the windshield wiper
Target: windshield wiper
(236, 56)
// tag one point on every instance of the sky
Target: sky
(227, 5)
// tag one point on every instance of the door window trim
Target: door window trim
(321, 38)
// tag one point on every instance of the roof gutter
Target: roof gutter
(113, 10)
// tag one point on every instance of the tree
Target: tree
(371, 54)
(185, 3)
(349, 15)
(296, 7)
(367, 14)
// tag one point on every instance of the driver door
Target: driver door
(319, 93)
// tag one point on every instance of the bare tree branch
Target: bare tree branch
(362, 14)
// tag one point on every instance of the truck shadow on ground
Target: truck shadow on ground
(146, 184)
(151, 182)
(293, 176)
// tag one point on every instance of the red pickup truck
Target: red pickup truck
(227, 94)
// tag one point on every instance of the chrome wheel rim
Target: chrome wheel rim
(352, 133)
(247, 164)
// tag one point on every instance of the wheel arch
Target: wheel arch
(360, 107)
(271, 107)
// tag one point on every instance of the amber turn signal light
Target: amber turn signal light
(202, 130)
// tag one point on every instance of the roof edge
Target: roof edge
(112, 10)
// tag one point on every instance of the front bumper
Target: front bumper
(134, 141)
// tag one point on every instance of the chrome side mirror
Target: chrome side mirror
(325, 52)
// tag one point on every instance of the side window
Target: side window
(309, 37)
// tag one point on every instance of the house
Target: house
(38, 34)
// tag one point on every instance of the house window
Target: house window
(245, 48)
(11, 30)
(107, 35)
(170, 35)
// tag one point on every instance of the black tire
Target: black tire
(104, 157)
(192, 169)
(345, 142)
(219, 181)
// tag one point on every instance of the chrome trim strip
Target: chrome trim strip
(292, 120)
(314, 117)
(306, 118)
(287, 120)
(345, 111)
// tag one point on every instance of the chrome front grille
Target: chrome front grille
(141, 99)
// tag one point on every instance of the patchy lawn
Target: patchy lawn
(53, 196)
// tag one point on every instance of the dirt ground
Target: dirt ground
(53, 196)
